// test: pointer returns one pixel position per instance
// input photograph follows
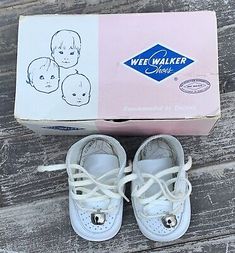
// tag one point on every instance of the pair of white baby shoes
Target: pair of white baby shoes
(96, 167)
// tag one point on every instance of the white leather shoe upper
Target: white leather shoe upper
(160, 188)
(95, 166)
(105, 160)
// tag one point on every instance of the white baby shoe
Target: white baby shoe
(160, 188)
(95, 166)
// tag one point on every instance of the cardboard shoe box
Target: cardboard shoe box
(130, 74)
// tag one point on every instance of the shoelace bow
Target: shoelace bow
(86, 187)
(178, 195)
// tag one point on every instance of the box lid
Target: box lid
(119, 66)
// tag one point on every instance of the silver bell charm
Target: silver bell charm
(169, 221)
(98, 218)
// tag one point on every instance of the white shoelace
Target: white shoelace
(175, 196)
(86, 187)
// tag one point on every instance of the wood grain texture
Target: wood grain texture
(22, 151)
(33, 206)
(224, 244)
(225, 10)
(217, 245)
(44, 226)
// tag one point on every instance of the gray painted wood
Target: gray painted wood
(33, 206)
(217, 245)
(223, 244)
(43, 226)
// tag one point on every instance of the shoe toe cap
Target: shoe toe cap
(82, 224)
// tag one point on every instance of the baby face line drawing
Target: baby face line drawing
(65, 48)
(76, 90)
(44, 75)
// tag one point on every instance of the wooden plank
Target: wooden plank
(43, 226)
(216, 245)
(22, 151)
(12, 9)
(225, 10)
(224, 244)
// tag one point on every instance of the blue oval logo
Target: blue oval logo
(194, 86)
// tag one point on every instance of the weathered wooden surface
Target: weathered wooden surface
(33, 213)
(44, 226)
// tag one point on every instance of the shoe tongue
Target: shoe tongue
(153, 166)
(98, 164)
